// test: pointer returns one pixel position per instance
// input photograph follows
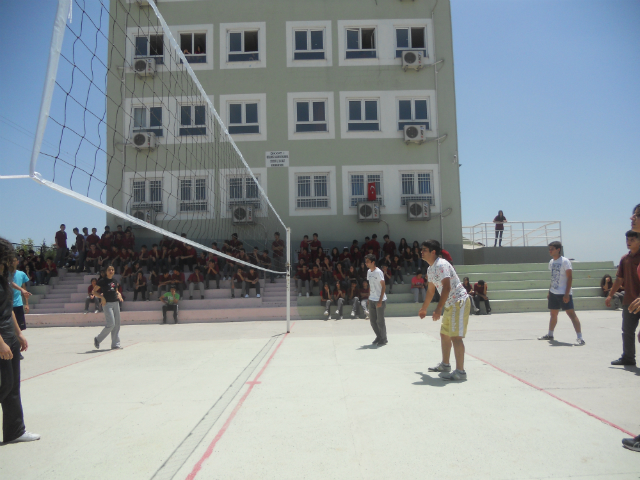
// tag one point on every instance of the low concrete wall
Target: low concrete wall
(506, 255)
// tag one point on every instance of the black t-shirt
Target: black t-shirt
(109, 288)
(7, 329)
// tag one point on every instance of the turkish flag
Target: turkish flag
(371, 191)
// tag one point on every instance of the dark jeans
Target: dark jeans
(477, 300)
(376, 317)
(248, 286)
(629, 326)
(81, 256)
(498, 234)
(166, 308)
(211, 276)
(19, 313)
(12, 417)
(142, 290)
(61, 253)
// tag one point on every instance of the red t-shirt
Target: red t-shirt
(389, 248)
(317, 244)
(94, 253)
(61, 239)
(479, 289)
(251, 276)
(52, 267)
(196, 278)
(364, 294)
(237, 278)
(447, 256)
(154, 254)
(278, 243)
(178, 277)
(339, 276)
(127, 242)
(93, 239)
(628, 270)
(302, 275)
(90, 290)
(417, 282)
(189, 251)
(376, 247)
(313, 274)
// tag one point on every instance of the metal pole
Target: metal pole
(524, 240)
(288, 267)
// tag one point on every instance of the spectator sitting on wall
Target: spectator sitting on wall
(196, 279)
(480, 295)
(92, 298)
(417, 287)
(170, 301)
(252, 280)
(605, 285)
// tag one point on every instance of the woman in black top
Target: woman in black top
(108, 291)
(499, 221)
(12, 342)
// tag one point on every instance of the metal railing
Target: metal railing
(515, 234)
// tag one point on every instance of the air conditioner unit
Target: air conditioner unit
(415, 134)
(243, 214)
(368, 211)
(147, 214)
(144, 140)
(144, 66)
(418, 210)
(412, 59)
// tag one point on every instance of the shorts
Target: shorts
(555, 302)
(456, 318)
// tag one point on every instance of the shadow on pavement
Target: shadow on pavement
(555, 343)
(88, 352)
(431, 381)
(628, 368)
(368, 347)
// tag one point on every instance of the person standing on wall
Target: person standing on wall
(500, 220)
(61, 246)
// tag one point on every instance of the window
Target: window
(359, 187)
(243, 46)
(417, 186)
(311, 116)
(413, 38)
(193, 195)
(363, 115)
(361, 43)
(413, 112)
(148, 120)
(313, 191)
(147, 193)
(193, 120)
(194, 47)
(243, 189)
(150, 46)
(243, 118)
(308, 45)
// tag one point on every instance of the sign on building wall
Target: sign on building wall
(277, 159)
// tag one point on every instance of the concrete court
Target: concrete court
(175, 403)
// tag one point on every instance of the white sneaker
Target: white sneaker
(85, 312)
(339, 318)
(580, 342)
(337, 312)
(246, 296)
(353, 314)
(97, 311)
(326, 313)
(258, 296)
(26, 437)
(307, 294)
(300, 294)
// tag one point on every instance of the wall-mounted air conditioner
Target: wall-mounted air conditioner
(415, 134)
(412, 59)
(144, 66)
(144, 140)
(368, 211)
(243, 214)
(146, 214)
(418, 210)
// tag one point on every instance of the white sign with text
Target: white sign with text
(277, 159)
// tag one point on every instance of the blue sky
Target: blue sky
(547, 105)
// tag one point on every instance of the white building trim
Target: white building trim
(293, 192)
(261, 99)
(225, 28)
(223, 178)
(329, 114)
(328, 44)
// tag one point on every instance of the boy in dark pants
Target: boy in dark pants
(170, 301)
(377, 300)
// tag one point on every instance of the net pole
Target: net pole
(288, 267)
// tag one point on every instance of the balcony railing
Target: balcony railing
(516, 234)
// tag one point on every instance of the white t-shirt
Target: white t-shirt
(440, 270)
(559, 275)
(374, 278)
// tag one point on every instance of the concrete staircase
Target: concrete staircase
(61, 303)
(511, 288)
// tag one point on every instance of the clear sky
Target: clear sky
(548, 118)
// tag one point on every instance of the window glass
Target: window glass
(424, 183)
(417, 38)
(251, 188)
(185, 43)
(199, 43)
(318, 112)
(185, 115)
(404, 109)
(235, 113)
(251, 41)
(421, 109)
(199, 115)
(402, 37)
(320, 185)
(201, 190)
(357, 185)
(235, 188)
(370, 110)
(368, 39)
(155, 116)
(302, 111)
(304, 186)
(301, 40)
(185, 190)
(139, 191)
(251, 113)
(353, 42)
(407, 183)
(155, 190)
(355, 112)
(139, 118)
(156, 45)
(141, 46)
(235, 42)
(317, 40)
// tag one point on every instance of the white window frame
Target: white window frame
(147, 119)
(362, 101)
(193, 193)
(225, 44)
(360, 49)
(243, 32)
(324, 25)
(313, 176)
(243, 115)
(243, 200)
(413, 120)
(354, 199)
(308, 31)
(424, 28)
(193, 54)
(148, 55)
(192, 116)
(311, 121)
(292, 113)
(416, 196)
(224, 112)
(157, 205)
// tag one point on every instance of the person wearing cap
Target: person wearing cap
(170, 302)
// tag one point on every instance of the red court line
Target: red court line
(75, 363)
(198, 466)
(555, 396)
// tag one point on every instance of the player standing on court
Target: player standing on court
(107, 291)
(377, 300)
(560, 292)
(456, 305)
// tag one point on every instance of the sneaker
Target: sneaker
(326, 313)
(375, 342)
(300, 294)
(353, 314)
(95, 343)
(117, 347)
(21, 357)
(455, 375)
(382, 343)
(97, 311)
(441, 367)
(246, 296)
(337, 312)
(623, 361)
(340, 318)
(366, 314)
(85, 312)
(26, 437)
(580, 342)
(546, 337)
(258, 296)
(632, 443)
(477, 310)
(307, 294)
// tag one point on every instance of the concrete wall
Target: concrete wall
(506, 255)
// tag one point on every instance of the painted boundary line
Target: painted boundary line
(540, 389)
(75, 363)
(198, 466)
